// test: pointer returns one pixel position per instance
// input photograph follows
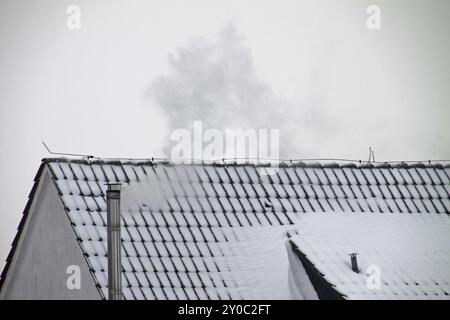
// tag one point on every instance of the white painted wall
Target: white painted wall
(46, 248)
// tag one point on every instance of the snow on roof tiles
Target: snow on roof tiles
(214, 231)
(411, 251)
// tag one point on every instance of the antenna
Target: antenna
(371, 155)
(67, 154)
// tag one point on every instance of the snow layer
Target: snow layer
(411, 251)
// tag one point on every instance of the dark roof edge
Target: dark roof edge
(313, 163)
(324, 289)
(21, 225)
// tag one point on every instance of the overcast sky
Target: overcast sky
(312, 68)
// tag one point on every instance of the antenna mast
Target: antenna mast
(67, 154)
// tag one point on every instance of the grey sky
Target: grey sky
(86, 91)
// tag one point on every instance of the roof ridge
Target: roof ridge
(306, 163)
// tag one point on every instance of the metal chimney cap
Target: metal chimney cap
(115, 186)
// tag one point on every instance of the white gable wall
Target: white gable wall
(46, 248)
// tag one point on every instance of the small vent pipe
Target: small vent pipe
(354, 262)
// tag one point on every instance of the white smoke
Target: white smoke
(217, 82)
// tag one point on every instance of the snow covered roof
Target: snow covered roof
(410, 253)
(219, 231)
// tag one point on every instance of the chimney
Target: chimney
(354, 261)
(114, 242)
